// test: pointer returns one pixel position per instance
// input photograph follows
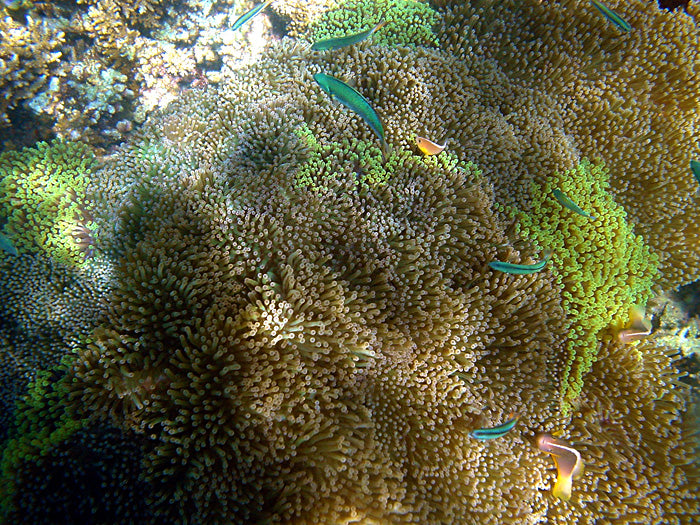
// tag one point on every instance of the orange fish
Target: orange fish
(429, 147)
(567, 460)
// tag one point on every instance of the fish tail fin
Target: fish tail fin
(382, 22)
(386, 151)
(562, 488)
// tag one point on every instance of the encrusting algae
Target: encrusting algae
(299, 323)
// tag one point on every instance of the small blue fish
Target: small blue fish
(7, 246)
(612, 16)
(250, 14)
(569, 204)
(344, 41)
(520, 269)
(483, 434)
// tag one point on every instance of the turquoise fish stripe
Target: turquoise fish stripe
(494, 432)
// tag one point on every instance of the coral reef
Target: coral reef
(620, 98)
(605, 269)
(108, 24)
(145, 13)
(28, 53)
(86, 99)
(46, 310)
(301, 331)
(91, 70)
(294, 311)
(42, 200)
(676, 324)
(229, 210)
(53, 453)
(642, 462)
(302, 14)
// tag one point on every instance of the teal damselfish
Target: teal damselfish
(250, 14)
(353, 100)
(495, 432)
(612, 16)
(569, 204)
(520, 269)
(344, 41)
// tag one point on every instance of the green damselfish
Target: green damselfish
(519, 269)
(250, 14)
(344, 41)
(353, 100)
(612, 16)
(569, 204)
(483, 434)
